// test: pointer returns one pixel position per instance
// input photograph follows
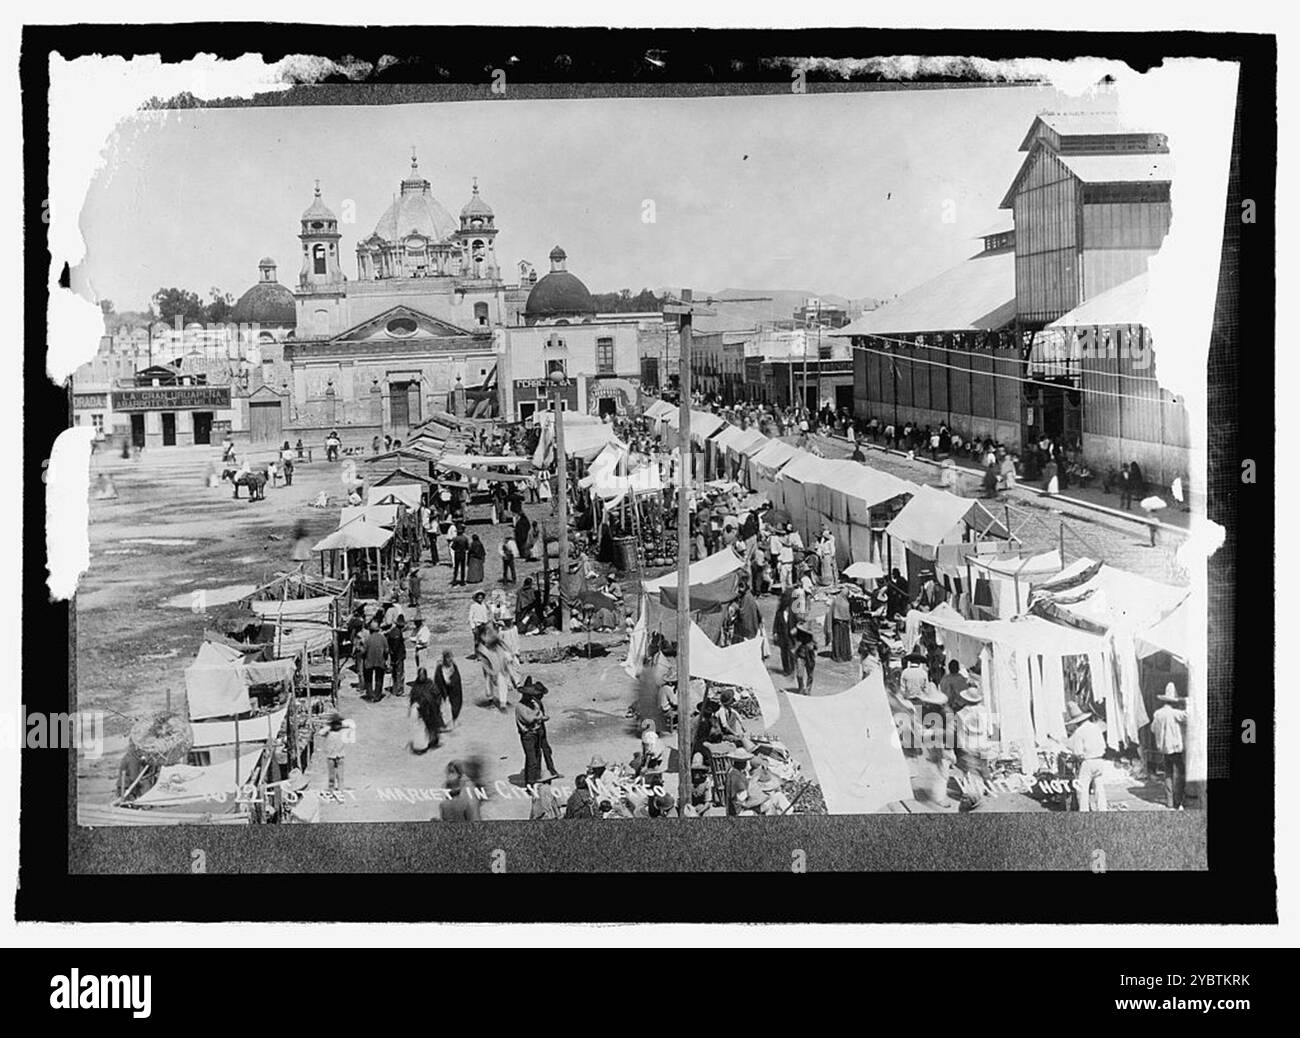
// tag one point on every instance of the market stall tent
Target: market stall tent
(855, 748)
(765, 463)
(739, 664)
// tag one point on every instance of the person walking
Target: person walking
(425, 714)
(783, 624)
(497, 672)
(459, 557)
(397, 656)
(462, 804)
(375, 663)
(357, 644)
(805, 658)
(529, 720)
(413, 587)
(335, 748)
(839, 628)
(509, 551)
(1088, 744)
(479, 617)
(286, 463)
(474, 566)
(446, 683)
(1168, 733)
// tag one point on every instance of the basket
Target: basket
(162, 739)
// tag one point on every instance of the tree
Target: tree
(172, 303)
(219, 310)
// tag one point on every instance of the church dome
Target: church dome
(267, 302)
(476, 206)
(559, 293)
(415, 211)
(318, 210)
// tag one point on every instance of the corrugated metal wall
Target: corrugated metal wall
(1048, 239)
(1118, 238)
(957, 377)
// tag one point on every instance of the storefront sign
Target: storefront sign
(539, 383)
(89, 401)
(172, 398)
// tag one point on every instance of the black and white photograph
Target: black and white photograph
(649, 455)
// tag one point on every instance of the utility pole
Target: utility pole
(558, 377)
(682, 311)
(819, 352)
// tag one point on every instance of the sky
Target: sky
(858, 195)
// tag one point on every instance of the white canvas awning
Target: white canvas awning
(933, 517)
(740, 664)
(377, 515)
(355, 534)
(855, 748)
(707, 570)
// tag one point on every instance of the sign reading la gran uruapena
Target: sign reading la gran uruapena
(172, 398)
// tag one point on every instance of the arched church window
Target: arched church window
(318, 254)
(481, 314)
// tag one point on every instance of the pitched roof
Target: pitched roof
(977, 295)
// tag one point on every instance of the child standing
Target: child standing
(805, 658)
(336, 733)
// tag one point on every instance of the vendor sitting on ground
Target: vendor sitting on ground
(610, 618)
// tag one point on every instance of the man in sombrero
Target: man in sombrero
(1087, 742)
(1168, 733)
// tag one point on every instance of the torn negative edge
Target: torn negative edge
(89, 98)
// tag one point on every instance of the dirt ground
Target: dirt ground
(169, 535)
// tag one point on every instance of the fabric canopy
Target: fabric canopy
(1097, 597)
(354, 534)
(934, 516)
(740, 664)
(296, 609)
(749, 442)
(1170, 635)
(377, 515)
(214, 685)
(773, 455)
(855, 748)
(1019, 565)
(251, 729)
(487, 460)
(706, 571)
(659, 409)
(727, 437)
(184, 783)
(409, 494)
(1029, 634)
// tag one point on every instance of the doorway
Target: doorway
(607, 405)
(844, 398)
(265, 420)
(527, 408)
(137, 430)
(203, 427)
(169, 428)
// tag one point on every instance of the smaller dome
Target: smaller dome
(266, 261)
(318, 210)
(559, 293)
(476, 206)
(267, 302)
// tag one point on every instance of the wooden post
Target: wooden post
(562, 494)
(684, 560)
(237, 755)
(1063, 542)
